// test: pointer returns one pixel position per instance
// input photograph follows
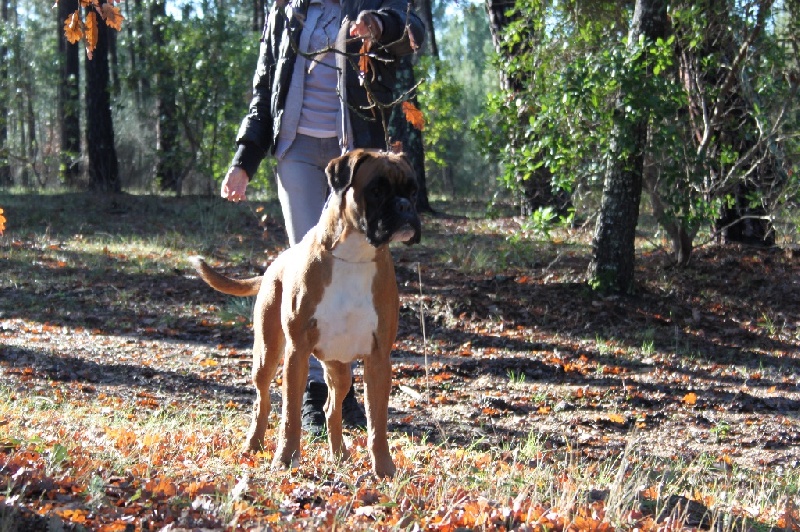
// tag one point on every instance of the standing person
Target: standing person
(311, 103)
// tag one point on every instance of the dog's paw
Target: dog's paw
(342, 455)
(281, 463)
(385, 468)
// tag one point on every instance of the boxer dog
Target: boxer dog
(333, 295)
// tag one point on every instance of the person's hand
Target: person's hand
(234, 186)
(367, 26)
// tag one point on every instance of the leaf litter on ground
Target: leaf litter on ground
(521, 400)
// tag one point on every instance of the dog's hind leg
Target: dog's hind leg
(268, 346)
(338, 379)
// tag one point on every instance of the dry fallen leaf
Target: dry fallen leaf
(690, 398)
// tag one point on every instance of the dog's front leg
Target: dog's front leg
(378, 384)
(338, 379)
(295, 373)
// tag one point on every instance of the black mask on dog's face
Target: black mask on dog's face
(388, 199)
(391, 214)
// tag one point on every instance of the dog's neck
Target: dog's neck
(352, 247)
(339, 238)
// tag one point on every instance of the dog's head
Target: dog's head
(378, 192)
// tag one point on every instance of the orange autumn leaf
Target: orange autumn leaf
(690, 398)
(112, 16)
(2, 222)
(616, 418)
(91, 31)
(75, 516)
(414, 116)
(364, 61)
(73, 27)
(161, 487)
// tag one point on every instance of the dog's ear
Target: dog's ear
(340, 171)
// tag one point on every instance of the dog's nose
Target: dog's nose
(403, 205)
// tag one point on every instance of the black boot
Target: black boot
(352, 414)
(314, 408)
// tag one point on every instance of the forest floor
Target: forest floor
(521, 399)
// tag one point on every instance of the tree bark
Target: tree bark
(259, 15)
(139, 79)
(5, 99)
(113, 62)
(167, 170)
(501, 14)
(425, 10)
(69, 99)
(613, 246)
(103, 166)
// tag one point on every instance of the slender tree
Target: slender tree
(68, 98)
(5, 98)
(259, 14)
(613, 251)
(168, 172)
(425, 12)
(103, 166)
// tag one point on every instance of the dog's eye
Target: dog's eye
(376, 193)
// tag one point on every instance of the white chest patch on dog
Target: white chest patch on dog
(346, 318)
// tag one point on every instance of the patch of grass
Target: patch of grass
(238, 309)
(516, 378)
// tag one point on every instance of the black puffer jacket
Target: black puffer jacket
(402, 31)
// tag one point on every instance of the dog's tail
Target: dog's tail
(226, 285)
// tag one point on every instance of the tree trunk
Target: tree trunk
(167, 170)
(682, 241)
(69, 99)
(103, 165)
(5, 99)
(613, 245)
(425, 11)
(113, 62)
(259, 15)
(138, 54)
(30, 119)
(501, 14)
(410, 137)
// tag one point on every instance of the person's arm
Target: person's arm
(255, 138)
